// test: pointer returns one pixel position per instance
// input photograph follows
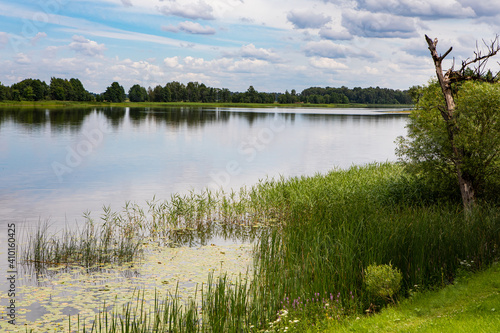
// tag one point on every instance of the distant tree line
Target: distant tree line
(356, 95)
(73, 90)
(36, 90)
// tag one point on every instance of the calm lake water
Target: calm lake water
(57, 164)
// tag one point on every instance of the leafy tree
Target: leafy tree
(137, 93)
(31, 90)
(159, 94)
(167, 95)
(63, 90)
(114, 93)
(415, 92)
(99, 98)
(177, 91)
(193, 91)
(225, 95)
(28, 93)
(475, 148)
(151, 94)
(16, 95)
(251, 95)
(285, 98)
(79, 92)
(57, 89)
(450, 83)
(345, 95)
(3, 92)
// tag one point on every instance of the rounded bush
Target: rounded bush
(383, 281)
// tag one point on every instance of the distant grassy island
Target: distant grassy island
(55, 103)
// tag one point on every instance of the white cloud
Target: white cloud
(38, 36)
(214, 66)
(334, 34)
(191, 28)
(63, 65)
(250, 51)
(197, 10)
(170, 28)
(416, 47)
(421, 8)
(196, 77)
(326, 63)
(86, 46)
(307, 19)
(132, 72)
(378, 25)
(482, 8)
(328, 49)
(127, 3)
(4, 39)
(371, 70)
(248, 66)
(171, 62)
(51, 52)
(264, 49)
(192, 63)
(22, 59)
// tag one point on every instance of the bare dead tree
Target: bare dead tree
(446, 79)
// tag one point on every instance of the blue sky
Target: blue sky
(273, 45)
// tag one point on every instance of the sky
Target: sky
(273, 45)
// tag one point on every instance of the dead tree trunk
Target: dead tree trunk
(448, 113)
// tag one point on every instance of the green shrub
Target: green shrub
(383, 281)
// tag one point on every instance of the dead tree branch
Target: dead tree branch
(446, 80)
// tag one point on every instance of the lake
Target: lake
(57, 164)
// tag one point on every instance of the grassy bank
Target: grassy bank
(66, 104)
(338, 224)
(309, 265)
(471, 304)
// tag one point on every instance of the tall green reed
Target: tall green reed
(338, 224)
(326, 230)
(91, 245)
(188, 219)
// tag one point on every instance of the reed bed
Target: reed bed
(90, 246)
(340, 223)
(184, 220)
(325, 230)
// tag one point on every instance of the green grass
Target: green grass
(471, 304)
(325, 231)
(185, 104)
(335, 225)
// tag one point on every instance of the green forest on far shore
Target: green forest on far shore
(73, 90)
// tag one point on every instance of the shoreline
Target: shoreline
(6, 104)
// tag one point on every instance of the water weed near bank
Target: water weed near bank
(323, 232)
